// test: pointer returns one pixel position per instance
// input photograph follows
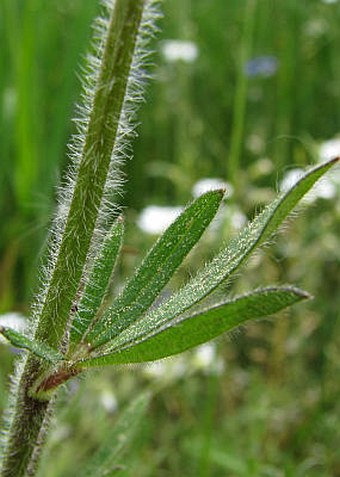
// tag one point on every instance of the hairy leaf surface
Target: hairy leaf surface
(158, 267)
(183, 334)
(98, 281)
(225, 263)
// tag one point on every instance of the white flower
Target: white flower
(155, 219)
(179, 50)
(290, 179)
(206, 359)
(210, 183)
(324, 189)
(156, 369)
(329, 149)
(205, 355)
(167, 370)
(109, 401)
(13, 320)
(329, 1)
(238, 219)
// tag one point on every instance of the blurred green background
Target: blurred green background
(245, 91)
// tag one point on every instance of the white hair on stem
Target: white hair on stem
(121, 152)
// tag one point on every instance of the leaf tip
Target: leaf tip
(306, 296)
(334, 160)
(220, 191)
(2, 331)
(329, 163)
(303, 294)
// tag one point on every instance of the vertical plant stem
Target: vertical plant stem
(240, 100)
(287, 83)
(93, 169)
(30, 416)
(208, 426)
(26, 426)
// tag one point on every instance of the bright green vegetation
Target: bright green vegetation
(263, 404)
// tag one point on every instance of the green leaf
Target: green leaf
(157, 268)
(18, 340)
(226, 262)
(184, 333)
(98, 281)
(105, 462)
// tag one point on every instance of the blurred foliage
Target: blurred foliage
(267, 404)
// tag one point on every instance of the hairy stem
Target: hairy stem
(29, 419)
(93, 169)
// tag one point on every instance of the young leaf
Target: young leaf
(184, 333)
(98, 282)
(229, 260)
(18, 340)
(157, 268)
(106, 461)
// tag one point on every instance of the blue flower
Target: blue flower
(261, 66)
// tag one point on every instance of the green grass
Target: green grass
(39, 86)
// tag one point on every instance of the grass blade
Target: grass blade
(106, 461)
(183, 334)
(158, 267)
